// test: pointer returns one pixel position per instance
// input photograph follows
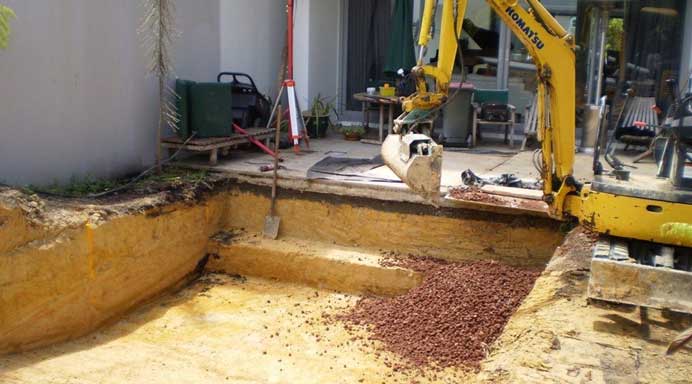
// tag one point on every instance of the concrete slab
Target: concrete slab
(486, 161)
(482, 161)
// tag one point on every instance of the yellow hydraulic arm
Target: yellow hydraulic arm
(450, 32)
(553, 51)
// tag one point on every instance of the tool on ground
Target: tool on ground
(267, 168)
(650, 214)
(272, 221)
(255, 141)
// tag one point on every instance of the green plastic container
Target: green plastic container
(182, 103)
(211, 112)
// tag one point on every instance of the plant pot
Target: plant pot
(316, 126)
(352, 136)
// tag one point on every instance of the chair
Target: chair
(492, 108)
(638, 122)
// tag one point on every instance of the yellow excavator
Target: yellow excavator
(644, 218)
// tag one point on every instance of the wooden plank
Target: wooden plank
(531, 194)
(207, 144)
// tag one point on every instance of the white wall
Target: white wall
(317, 37)
(197, 51)
(252, 39)
(325, 17)
(76, 97)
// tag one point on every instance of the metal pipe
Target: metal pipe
(503, 57)
(602, 29)
(289, 39)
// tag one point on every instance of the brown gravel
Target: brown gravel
(451, 319)
(475, 194)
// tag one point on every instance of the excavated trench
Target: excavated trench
(355, 289)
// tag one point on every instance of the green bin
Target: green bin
(210, 109)
(182, 103)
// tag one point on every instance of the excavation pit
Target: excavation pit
(188, 291)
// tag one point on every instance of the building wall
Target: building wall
(324, 65)
(76, 96)
(197, 51)
(252, 39)
(317, 39)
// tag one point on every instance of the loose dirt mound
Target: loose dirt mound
(451, 319)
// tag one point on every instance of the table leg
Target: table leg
(381, 121)
(474, 128)
(366, 124)
(213, 156)
(390, 128)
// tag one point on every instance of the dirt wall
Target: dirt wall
(455, 234)
(66, 285)
(69, 270)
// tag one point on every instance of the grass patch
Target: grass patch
(88, 186)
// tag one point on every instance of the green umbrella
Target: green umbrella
(400, 51)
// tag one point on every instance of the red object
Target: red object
(289, 61)
(290, 83)
(254, 140)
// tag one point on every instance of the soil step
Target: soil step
(317, 264)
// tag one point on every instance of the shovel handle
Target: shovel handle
(277, 137)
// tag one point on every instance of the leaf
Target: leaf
(6, 14)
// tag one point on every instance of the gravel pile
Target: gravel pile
(475, 194)
(451, 319)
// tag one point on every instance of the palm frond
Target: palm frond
(6, 14)
(157, 32)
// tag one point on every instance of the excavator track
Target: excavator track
(642, 274)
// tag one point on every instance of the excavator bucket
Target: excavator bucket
(417, 160)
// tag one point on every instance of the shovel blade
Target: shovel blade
(271, 227)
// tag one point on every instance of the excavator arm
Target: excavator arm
(450, 31)
(417, 159)
(553, 51)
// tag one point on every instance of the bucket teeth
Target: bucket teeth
(417, 160)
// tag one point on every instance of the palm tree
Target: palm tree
(158, 32)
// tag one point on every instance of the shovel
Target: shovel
(272, 221)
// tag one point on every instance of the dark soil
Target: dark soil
(451, 319)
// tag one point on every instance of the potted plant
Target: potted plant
(352, 132)
(317, 119)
